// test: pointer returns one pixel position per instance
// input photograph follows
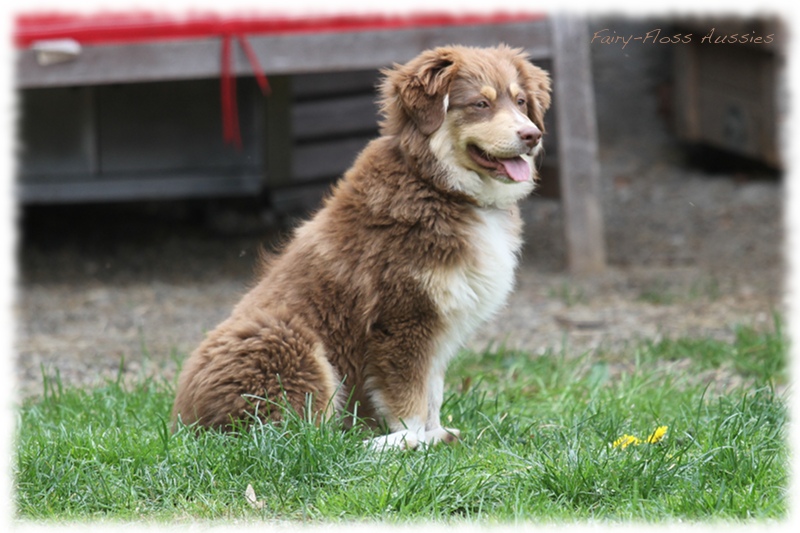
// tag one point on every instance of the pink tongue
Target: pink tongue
(517, 168)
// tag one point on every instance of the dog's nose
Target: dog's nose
(530, 135)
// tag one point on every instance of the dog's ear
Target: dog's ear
(419, 88)
(536, 83)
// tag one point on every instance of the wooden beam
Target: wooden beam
(154, 186)
(328, 159)
(335, 116)
(277, 54)
(325, 84)
(576, 127)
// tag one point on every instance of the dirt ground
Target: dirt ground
(690, 252)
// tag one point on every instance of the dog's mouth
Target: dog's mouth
(513, 168)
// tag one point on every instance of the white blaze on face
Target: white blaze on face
(485, 189)
(484, 154)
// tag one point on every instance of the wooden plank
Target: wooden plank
(278, 54)
(299, 200)
(326, 84)
(326, 159)
(76, 189)
(577, 146)
(335, 116)
(374, 49)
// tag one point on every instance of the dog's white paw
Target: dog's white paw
(409, 440)
(440, 434)
(401, 440)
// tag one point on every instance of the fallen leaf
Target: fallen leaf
(250, 496)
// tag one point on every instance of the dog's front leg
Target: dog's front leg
(406, 423)
(434, 432)
(416, 420)
(404, 378)
(398, 393)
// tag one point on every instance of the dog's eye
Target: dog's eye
(481, 104)
(521, 102)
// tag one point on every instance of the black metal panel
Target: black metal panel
(146, 127)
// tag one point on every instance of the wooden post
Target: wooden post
(576, 127)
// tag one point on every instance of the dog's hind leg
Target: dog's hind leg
(253, 368)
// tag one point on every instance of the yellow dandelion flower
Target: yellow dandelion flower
(657, 435)
(626, 440)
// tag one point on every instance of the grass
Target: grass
(537, 434)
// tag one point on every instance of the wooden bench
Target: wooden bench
(85, 129)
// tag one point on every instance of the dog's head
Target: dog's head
(481, 111)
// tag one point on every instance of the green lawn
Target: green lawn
(537, 434)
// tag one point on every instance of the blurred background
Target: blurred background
(141, 216)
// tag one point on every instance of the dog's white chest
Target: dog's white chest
(491, 277)
(468, 295)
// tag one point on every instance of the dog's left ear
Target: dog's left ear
(536, 83)
(419, 88)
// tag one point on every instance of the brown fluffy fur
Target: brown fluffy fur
(344, 315)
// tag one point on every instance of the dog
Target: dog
(413, 249)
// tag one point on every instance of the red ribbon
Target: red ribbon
(231, 133)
